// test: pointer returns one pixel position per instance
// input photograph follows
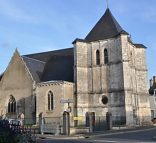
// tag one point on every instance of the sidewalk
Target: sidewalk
(63, 137)
(94, 134)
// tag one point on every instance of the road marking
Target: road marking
(146, 142)
(105, 141)
(119, 141)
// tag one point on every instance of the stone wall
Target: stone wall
(17, 82)
(61, 91)
(94, 81)
(123, 80)
(135, 83)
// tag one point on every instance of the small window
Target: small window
(152, 114)
(50, 101)
(12, 105)
(105, 56)
(97, 57)
(134, 113)
(104, 99)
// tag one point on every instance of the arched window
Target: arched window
(97, 57)
(12, 105)
(50, 101)
(105, 56)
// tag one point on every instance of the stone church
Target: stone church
(104, 72)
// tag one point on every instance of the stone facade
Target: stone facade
(17, 81)
(62, 91)
(31, 97)
(123, 80)
(110, 75)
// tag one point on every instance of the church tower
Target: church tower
(110, 74)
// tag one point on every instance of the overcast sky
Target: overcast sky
(40, 25)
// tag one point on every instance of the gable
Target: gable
(16, 75)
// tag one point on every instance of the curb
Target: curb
(60, 137)
(96, 134)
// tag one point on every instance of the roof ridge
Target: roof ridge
(56, 50)
(33, 59)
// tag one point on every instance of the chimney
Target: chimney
(151, 82)
(154, 80)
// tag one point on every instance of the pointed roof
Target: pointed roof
(107, 27)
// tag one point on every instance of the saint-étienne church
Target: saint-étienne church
(104, 72)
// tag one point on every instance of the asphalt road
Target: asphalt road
(84, 141)
(135, 136)
(144, 135)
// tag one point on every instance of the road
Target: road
(135, 136)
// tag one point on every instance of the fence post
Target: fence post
(109, 120)
(66, 123)
(41, 122)
(90, 120)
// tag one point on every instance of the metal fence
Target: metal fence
(100, 122)
(51, 125)
(54, 125)
(14, 131)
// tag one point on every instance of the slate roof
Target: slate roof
(107, 27)
(136, 44)
(140, 46)
(52, 65)
(35, 67)
(59, 68)
(45, 56)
